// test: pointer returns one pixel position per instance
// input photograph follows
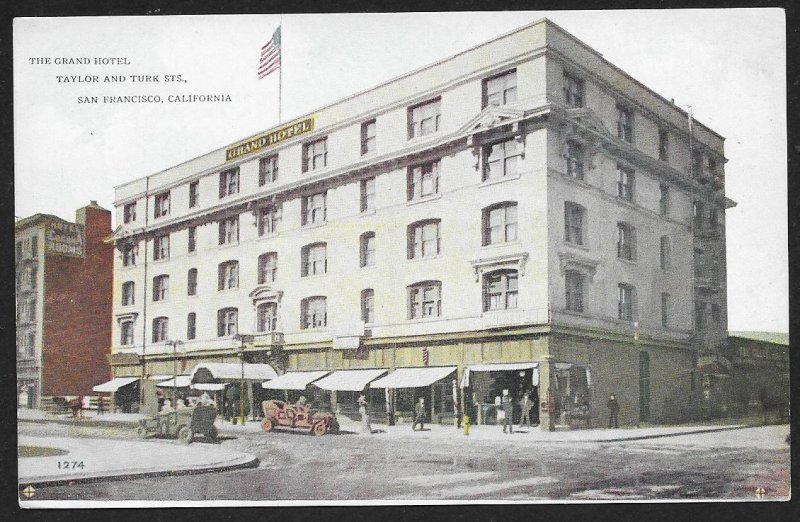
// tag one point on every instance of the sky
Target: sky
(728, 64)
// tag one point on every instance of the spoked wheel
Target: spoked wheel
(334, 427)
(185, 434)
(141, 432)
(266, 425)
(319, 429)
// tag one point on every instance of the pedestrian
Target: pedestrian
(419, 415)
(362, 409)
(613, 411)
(526, 404)
(508, 410)
(205, 399)
(160, 398)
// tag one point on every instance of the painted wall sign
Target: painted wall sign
(64, 239)
(269, 139)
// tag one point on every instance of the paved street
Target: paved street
(294, 466)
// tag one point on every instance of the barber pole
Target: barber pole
(425, 356)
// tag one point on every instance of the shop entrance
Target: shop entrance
(572, 392)
(484, 385)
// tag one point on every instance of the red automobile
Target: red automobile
(278, 413)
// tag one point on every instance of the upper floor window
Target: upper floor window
(368, 140)
(191, 282)
(314, 209)
(191, 326)
(368, 305)
(161, 205)
(424, 239)
(425, 299)
(368, 195)
(423, 180)
(192, 239)
(697, 163)
(625, 306)
(267, 268)
(500, 89)
(698, 214)
(227, 322)
(665, 309)
(500, 223)
(128, 254)
(314, 312)
(229, 231)
(574, 218)
(34, 246)
(315, 154)
(626, 241)
(128, 293)
(367, 249)
(573, 283)
(161, 248)
(575, 157)
(194, 194)
(126, 333)
(500, 290)
(500, 159)
(129, 212)
(229, 182)
(160, 329)
(625, 123)
(267, 170)
(228, 275)
(700, 315)
(424, 119)
(314, 259)
(267, 317)
(625, 183)
(663, 144)
(573, 91)
(268, 219)
(664, 253)
(160, 287)
(663, 200)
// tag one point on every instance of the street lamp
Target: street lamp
(244, 339)
(175, 345)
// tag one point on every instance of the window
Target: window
(126, 333)
(191, 282)
(315, 259)
(19, 249)
(664, 252)
(314, 312)
(423, 239)
(697, 211)
(573, 283)
(625, 302)
(716, 313)
(194, 194)
(160, 329)
(574, 159)
(663, 200)
(229, 231)
(227, 322)
(160, 287)
(192, 246)
(367, 249)
(664, 309)
(129, 212)
(500, 89)
(267, 170)
(315, 155)
(161, 207)
(499, 223)
(500, 290)
(228, 275)
(644, 386)
(500, 159)
(574, 215)
(161, 248)
(314, 209)
(423, 180)
(699, 315)
(267, 268)
(368, 195)
(663, 144)
(625, 183)
(268, 219)
(267, 317)
(424, 119)
(34, 246)
(697, 163)
(368, 140)
(191, 326)
(713, 218)
(128, 293)
(128, 254)
(424, 299)
(573, 91)
(368, 305)
(625, 123)
(626, 248)
(229, 182)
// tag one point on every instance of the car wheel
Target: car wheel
(141, 431)
(334, 427)
(266, 425)
(185, 434)
(320, 429)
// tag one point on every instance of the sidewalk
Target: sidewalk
(88, 459)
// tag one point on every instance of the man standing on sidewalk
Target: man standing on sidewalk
(613, 411)
(419, 415)
(508, 410)
(526, 405)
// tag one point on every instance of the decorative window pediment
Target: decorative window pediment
(263, 293)
(130, 316)
(573, 261)
(491, 117)
(508, 261)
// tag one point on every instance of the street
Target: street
(294, 466)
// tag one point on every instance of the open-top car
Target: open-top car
(183, 423)
(279, 413)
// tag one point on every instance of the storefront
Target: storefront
(290, 386)
(231, 376)
(483, 386)
(572, 391)
(405, 386)
(175, 388)
(345, 386)
(124, 393)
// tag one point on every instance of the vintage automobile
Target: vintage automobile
(183, 423)
(278, 413)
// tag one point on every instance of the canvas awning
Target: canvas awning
(413, 377)
(502, 367)
(294, 380)
(209, 386)
(233, 371)
(181, 381)
(114, 384)
(159, 378)
(349, 380)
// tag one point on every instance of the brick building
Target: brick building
(64, 275)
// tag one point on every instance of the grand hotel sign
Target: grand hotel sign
(269, 139)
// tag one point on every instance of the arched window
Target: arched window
(128, 293)
(367, 249)
(425, 299)
(368, 305)
(267, 268)
(227, 322)
(424, 238)
(500, 290)
(160, 287)
(228, 275)
(191, 282)
(126, 333)
(500, 223)
(191, 326)
(160, 329)
(314, 259)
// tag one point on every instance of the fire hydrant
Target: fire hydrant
(466, 424)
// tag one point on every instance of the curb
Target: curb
(680, 434)
(88, 423)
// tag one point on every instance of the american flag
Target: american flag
(270, 55)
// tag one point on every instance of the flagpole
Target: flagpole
(280, 69)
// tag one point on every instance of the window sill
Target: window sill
(627, 202)
(578, 181)
(226, 196)
(575, 313)
(269, 235)
(499, 311)
(319, 170)
(160, 301)
(313, 276)
(161, 260)
(423, 199)
(368, 212)
(631, 262)
(576, 246)
(229, 245)
(426, 319)
(494, 181)
(501, 244)
(368, 267)
(423, 137)
(313, 225)
(424, 258)
(228, 290)
(191, 253)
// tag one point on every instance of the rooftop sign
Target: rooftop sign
(269, 139)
